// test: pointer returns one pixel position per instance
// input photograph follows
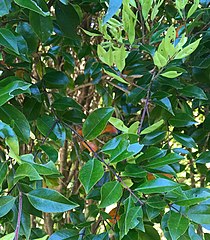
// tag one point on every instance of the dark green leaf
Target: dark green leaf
(33, 6)
(67, 14)
(154, 137)
(114, 5)
(177, 225)
(64, 103)
(168, 159)
(165, 104)
(158, 185)
(6, 204)
(65, 234)
(8, 40)
(111, 192)
(91, 173)
(194, 92)
(185, 140)
(133, 170)
(204, 157)
(150, 233)
(11, 115)
(56, 79)
(102, 236)
(48, 200)
(182, 120)
(96, 122)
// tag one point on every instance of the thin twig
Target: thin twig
(96, 155)
(20, 204)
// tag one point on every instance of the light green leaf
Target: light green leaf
(5, 5)
(26, 170)
(193, 8)
(91, 173)
(177, 225)
(118, 124)
(33, 6)
(91, 34)
(6, 204)
(48, 200)
(120, 55)
(168, 159)
(96, 122)
(158, 185)
(188, 50)
(146, 6)
(171, 74)
(200, 213)
(153, 127)
(8, 236)
(111, 192)
(115, 76)
(159, 60)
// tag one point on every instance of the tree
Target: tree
(104, 119)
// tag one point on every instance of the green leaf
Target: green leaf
(164, 103)
(8, 40)
(118, 124)
(159, 60)
(91, 173)
(65, 234)
(133, 170)
(26, 170)
(154, 137)
(204, 157)
(182, 120)
(11, 115)
(171, 74)
(6, 204)
(111, 192)
(177, 225)
(42, 26)
(185, 140)
(64, 103)
(11, 87)
(194, 92)
(146, 6)
(8, 236)
(115, 76)
(200, 213)
(153, 127)
(168, 159)
(96, 122)
(33, 6)
(102, 236)
(188, 50)
(67, 14)
(192, 197)
(149, 233)
(56, 79)
(3, 173)
(193, 8)
(158, 185)
(49, 127)
(120, 55)
(114, 5)
(129, 219)
(48, 200)
(5, 6)
(10, 137)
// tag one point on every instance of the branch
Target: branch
(19, 215)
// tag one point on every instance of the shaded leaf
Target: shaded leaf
(6, 204)
(184, 140)
(182, 120)
(5, 5)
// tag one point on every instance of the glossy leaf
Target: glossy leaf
(9, 114)
(182, 120)
(184, 140)
(96, 122)
(4, 7)
(153, 127)
(56, 79)
(33, 6)
(64, 234)
(111, 192)
(193, 92)
(118, 124)
(165, 103)
(171, 74)
(199, 214)
(6, 204)
(8, 40)
(114, 5)
(158, 185)
(91, 173)
(204, 157)
(177, 225)
(48, 200)
(154, 137)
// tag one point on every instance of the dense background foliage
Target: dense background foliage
(104, 119)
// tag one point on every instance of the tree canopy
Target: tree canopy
(104, 119)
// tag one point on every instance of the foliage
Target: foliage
(104, 119)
